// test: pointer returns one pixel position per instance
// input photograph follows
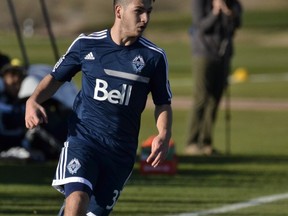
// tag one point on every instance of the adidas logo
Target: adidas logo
(89, 56)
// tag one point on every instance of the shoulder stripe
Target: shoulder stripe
(152, 46)
(96, 36)
(99, 33)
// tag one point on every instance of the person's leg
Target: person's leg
(77, 175)
(76, 204)
(213, 77)
(195, 123)
(77, 198)
(217, 80)
(74, 176)
(201, 72)
(114, 175)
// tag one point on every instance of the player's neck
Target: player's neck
(121, 38)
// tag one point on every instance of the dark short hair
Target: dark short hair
(118, 1)
(17, 70)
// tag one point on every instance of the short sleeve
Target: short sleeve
(160, 86)
(69, 64)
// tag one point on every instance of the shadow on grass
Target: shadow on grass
(202, 169)
(199, 182)
(220, 171)
(27, 173)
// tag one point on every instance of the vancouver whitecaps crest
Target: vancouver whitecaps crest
(73, 166)
(138, 64)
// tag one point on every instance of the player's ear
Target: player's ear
(118, 11)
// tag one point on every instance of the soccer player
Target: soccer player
(119, 69)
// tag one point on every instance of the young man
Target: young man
(119, 69)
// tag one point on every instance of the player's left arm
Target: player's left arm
(160, 144)
(162, 95)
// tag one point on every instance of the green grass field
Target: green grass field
(201, 183)
(258, 163)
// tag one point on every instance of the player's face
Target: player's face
(136, 16)
(12, 84)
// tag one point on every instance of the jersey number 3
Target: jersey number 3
(117, 194)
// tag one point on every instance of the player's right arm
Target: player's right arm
(35, 113)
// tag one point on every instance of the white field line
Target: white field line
(254, 78)
(237, 206)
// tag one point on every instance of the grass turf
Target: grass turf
(201, 183)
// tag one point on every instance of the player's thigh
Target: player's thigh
(77, 203)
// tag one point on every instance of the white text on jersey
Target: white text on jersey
(114, 96)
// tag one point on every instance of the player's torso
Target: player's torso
(115, 85)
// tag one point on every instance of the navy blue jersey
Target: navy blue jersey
(115, 83)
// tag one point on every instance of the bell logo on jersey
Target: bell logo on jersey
(114, 96)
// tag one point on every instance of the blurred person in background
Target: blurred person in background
(12, 128)
(45, 141)
(214, 23)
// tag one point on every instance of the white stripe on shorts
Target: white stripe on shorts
(60, 171)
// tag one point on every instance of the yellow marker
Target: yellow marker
(240, 75)
(16, 62)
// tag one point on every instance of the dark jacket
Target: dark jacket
(12, 127)
(212, 36)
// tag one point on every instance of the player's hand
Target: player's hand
(159, 150)
(220, 6)
(35, 114)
